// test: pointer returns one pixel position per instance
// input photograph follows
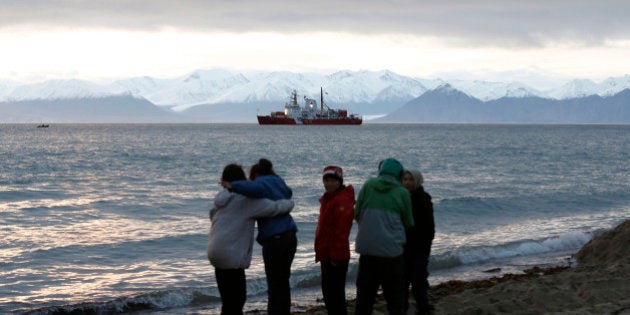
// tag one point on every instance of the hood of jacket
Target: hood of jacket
(383, 184)
(223, 198)
(391, 171)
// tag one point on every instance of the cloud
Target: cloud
(498, 23)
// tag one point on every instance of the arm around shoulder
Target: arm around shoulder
(268, 208)
(248, 188)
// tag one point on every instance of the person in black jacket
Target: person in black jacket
(419, 240)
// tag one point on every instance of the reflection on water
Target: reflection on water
(120, 212)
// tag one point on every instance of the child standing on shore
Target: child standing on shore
(332, 248)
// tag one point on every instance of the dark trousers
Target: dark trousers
(278, 253)
(334, 286)
(231, 283)
(417, 274)
(381, 271)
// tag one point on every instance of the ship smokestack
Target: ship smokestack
(321, 102)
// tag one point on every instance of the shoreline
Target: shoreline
(442, 290)
(597, 285)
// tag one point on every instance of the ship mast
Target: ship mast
(294, 98)
(321, 102)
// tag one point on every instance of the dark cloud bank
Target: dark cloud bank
(503, 23)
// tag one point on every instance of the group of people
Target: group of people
(395, 231)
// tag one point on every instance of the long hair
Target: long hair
(232, 172)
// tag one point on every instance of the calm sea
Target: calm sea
(114, 218)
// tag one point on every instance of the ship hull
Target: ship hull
(268, 120)
(342, 121)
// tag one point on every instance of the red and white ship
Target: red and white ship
(309, 114)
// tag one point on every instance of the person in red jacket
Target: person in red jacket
(332, 247)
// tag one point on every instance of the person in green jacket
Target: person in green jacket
(383, 213)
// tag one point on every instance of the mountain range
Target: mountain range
(446, 104)
(219, 95)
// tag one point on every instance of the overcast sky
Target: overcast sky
(495, 40)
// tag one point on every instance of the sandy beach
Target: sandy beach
(598, 284)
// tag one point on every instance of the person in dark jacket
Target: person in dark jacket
(419, 240)
(332, 248)
(277, 235)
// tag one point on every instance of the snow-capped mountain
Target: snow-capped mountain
(137, 86)
(270, 87)
(199, 87)
(196, 88)
(612, 86)
(57, 89)
(6, 87)
(355, 87)
(445, 104)
(221, 86)
(575, 89)
(371, 93)
(584, 87)
(487, 91)
(367, 87)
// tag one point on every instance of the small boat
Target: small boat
(309, 114)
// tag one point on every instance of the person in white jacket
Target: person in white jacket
(231, 238)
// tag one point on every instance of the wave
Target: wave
(309, 278)
(492, 212)
(159, 300)
(532, 203)
(29, 194)
(206, 298)
(480, 254)
(163, 300)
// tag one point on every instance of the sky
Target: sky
(536, 42)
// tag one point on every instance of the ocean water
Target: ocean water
(114, 218)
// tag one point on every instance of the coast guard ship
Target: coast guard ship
(309, 114)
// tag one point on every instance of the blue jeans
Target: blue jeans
(278, 253)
